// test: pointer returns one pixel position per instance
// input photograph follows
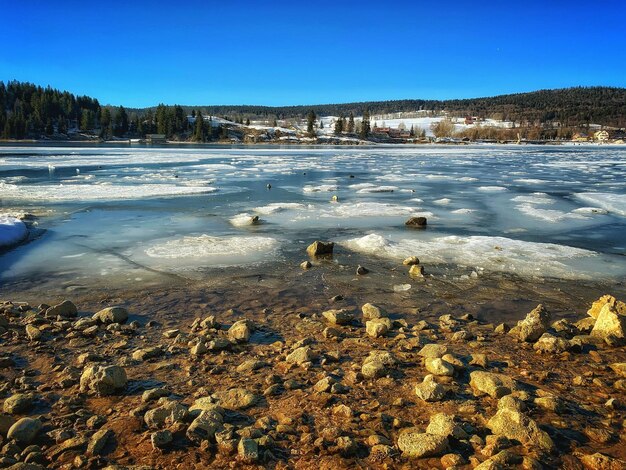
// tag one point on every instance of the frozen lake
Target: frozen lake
(119, 215)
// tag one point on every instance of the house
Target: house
(470, 120)
(601, 136)
(156, 138)
(580, 137)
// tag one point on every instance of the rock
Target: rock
(361, 270)
(599, 304)
(549, 403)
(492, 384)
(306, 265)
(98, 441)
(33, 333)
(111, 315)
(378, 327)
(248, 450)
(147, 353)
(501, 329)
(240, 331)
(443, 424)
(585, 325)
(169, 412)
(161, 439)
(207, 404)
(6, 422)
(479, 360)
(103, 380)
(411, 260)
(419, 222)
(204, 426)
(433, 350)
(619, 368)
(338, 316)
(600, 461)
(551, 344)
(199, 348)
(18, 403)
(371, 312)
(374, 369)
(65, 309)
(610, 325)
(301, 355)
(25, 430)
(416, 270)
(429, 390)
(318, 248)
(533, 326)
(438, 366)
(413, 443)
(516, 425)
(236, 398)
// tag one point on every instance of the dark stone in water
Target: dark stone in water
(419, 222)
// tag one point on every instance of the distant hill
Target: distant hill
(570, 107)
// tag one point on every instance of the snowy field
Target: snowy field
(532, 211)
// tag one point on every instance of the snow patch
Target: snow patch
(12, 230)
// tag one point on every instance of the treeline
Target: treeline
(29, 110)
(571, 107)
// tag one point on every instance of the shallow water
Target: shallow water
(114, 216)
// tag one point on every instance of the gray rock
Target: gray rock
(65, 309)
(419, 222)
(111, 315)
(204, 426)
(437, 366)
(371, 312)
(25, 430)
(443, 424)
(433, 350)
(98, 441)
(18, 403)
(429, 390)
(378, 327)
(240, 331)
(236, 398)
(248, 450)
(516, 425)
(301, 355)
(551, 344)
(374, 369)
(103, 380)
(33, 333)
(338, 316)
(147, 353)
(414, 443)
(492, 384)
(161, 439)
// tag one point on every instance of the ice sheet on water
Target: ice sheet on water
(280, 207)
(207, 250)
(491, 189)
(363, 188)
(96, 192)
(615, 203)
(12, 230)
(319, 188)
(242, 220)
(498, 254)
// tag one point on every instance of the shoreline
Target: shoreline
(251, 372)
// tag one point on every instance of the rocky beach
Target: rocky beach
(243, 376)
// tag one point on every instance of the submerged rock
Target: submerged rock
(419, 222)
(318, 248)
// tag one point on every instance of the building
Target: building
(580, 137)
(156, 138)
(601, 136)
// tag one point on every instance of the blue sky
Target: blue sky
(284, 52)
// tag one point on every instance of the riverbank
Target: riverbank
(261, 371)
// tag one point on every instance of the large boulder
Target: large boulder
(492, 384)
(429, 390)
(533, 326)
(418, 222)
(610, 325)
(378, 327)
(371, 312)
(204, 427)
(551, 344)
(240, 331)
(414, 443)
(18, 403)
(103, 380)
(318, 248)
(111, 315)
(517, 426)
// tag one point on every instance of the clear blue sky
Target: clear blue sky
(140, 53)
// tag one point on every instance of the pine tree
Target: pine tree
(199, 131)
(365, 125)
(339, 126)
(310, 123)
(351, 123)
(105, 122)
(248, 122)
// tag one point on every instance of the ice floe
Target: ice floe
(12, 230)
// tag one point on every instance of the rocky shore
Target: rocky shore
(342, 386)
